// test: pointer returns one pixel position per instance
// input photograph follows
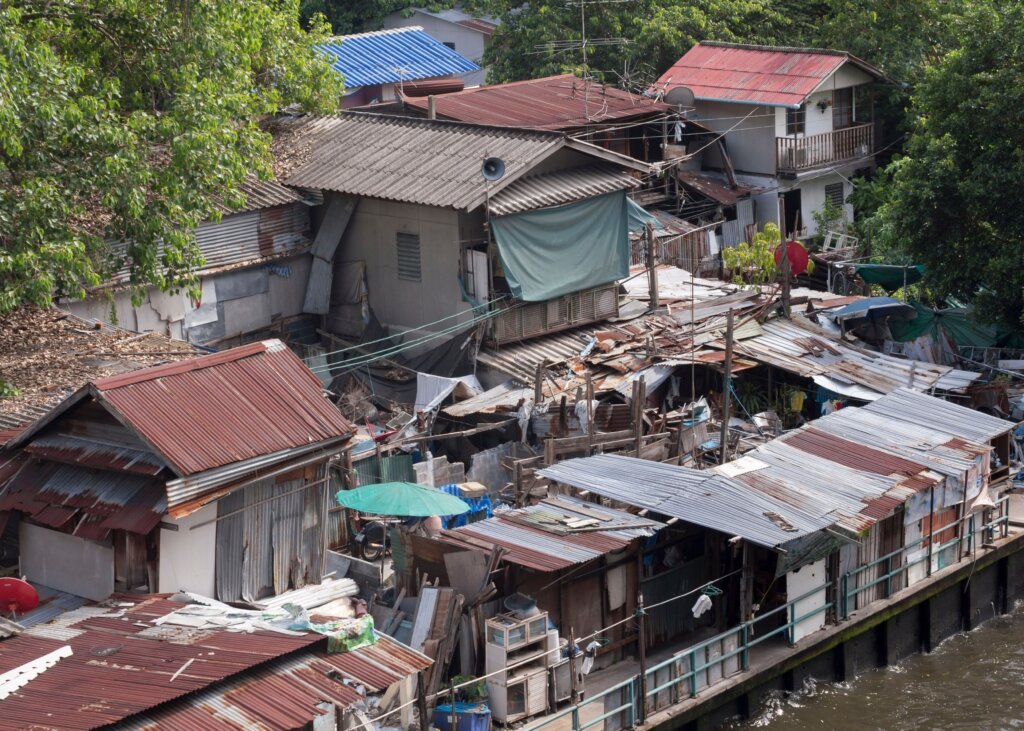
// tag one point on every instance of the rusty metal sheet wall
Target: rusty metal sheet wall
(273, 545)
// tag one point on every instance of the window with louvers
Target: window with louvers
(408, 246)
(834, 194)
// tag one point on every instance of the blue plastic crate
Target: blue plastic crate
(468, 717)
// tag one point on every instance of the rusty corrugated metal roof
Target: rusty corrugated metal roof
(123, 665)
(227, 407)
(732, 72)
(563, 102)
(535, 537)
(54, 494)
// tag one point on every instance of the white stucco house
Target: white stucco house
(796, 123)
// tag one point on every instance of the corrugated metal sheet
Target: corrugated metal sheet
(520, 360)
(392, 56)
(121, 667)
(251, 401)
(285, 694)
(54, 494)
(916, 408)
(555, 189)
(274, 543)
(563, 102)
(245, 238)
(414, 160)
(755, 74)
(94, 453)
(535, 538)
(808, 352)
(704, 498)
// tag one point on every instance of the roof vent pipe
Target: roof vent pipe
(431, 108)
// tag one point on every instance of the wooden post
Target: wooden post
(455, 718)
(572, 664)
(538, 384)
(421, 702)
(639, 397)
(785, 278)
(726, 391)
(652, 267)
(563, 417)
(642, 619)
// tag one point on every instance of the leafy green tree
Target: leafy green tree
(543, 38)
(133, 121)
(953, 203)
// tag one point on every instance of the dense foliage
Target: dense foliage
(646, 36)
(133, 121)
(953, 203)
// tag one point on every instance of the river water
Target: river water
(973, 680)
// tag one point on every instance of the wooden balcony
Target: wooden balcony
(522, 320)
(795, 154)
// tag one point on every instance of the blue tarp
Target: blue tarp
(553, 251)
(479, 508)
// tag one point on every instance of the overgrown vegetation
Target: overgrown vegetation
(132, 121)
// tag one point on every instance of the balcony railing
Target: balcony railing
(793, 154)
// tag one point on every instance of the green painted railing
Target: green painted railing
(642, 689)
(988, 531)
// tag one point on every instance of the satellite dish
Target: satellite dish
(680, 96)
(17, 596)
(493, 169)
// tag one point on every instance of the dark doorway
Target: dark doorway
(793, 218)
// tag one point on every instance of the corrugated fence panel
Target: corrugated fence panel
(232, 240)
(283, 228)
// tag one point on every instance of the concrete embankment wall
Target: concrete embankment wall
(883, 634)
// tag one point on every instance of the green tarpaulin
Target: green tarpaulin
(639, 217)
(957, 324)
(553, 251)
(890, 277)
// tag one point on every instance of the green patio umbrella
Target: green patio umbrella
(402, 499)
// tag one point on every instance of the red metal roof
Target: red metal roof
(247, 402)
(116, 672)
(562, 102)
(755, 74)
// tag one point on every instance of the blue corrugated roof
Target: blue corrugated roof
(387, 56)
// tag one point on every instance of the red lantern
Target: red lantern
(797, 256)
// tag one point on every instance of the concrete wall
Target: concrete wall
(397, 303)
(233, 303)
(812, 198)
(751, 145)
(65, 562)
(467, 43)
(187, 556)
